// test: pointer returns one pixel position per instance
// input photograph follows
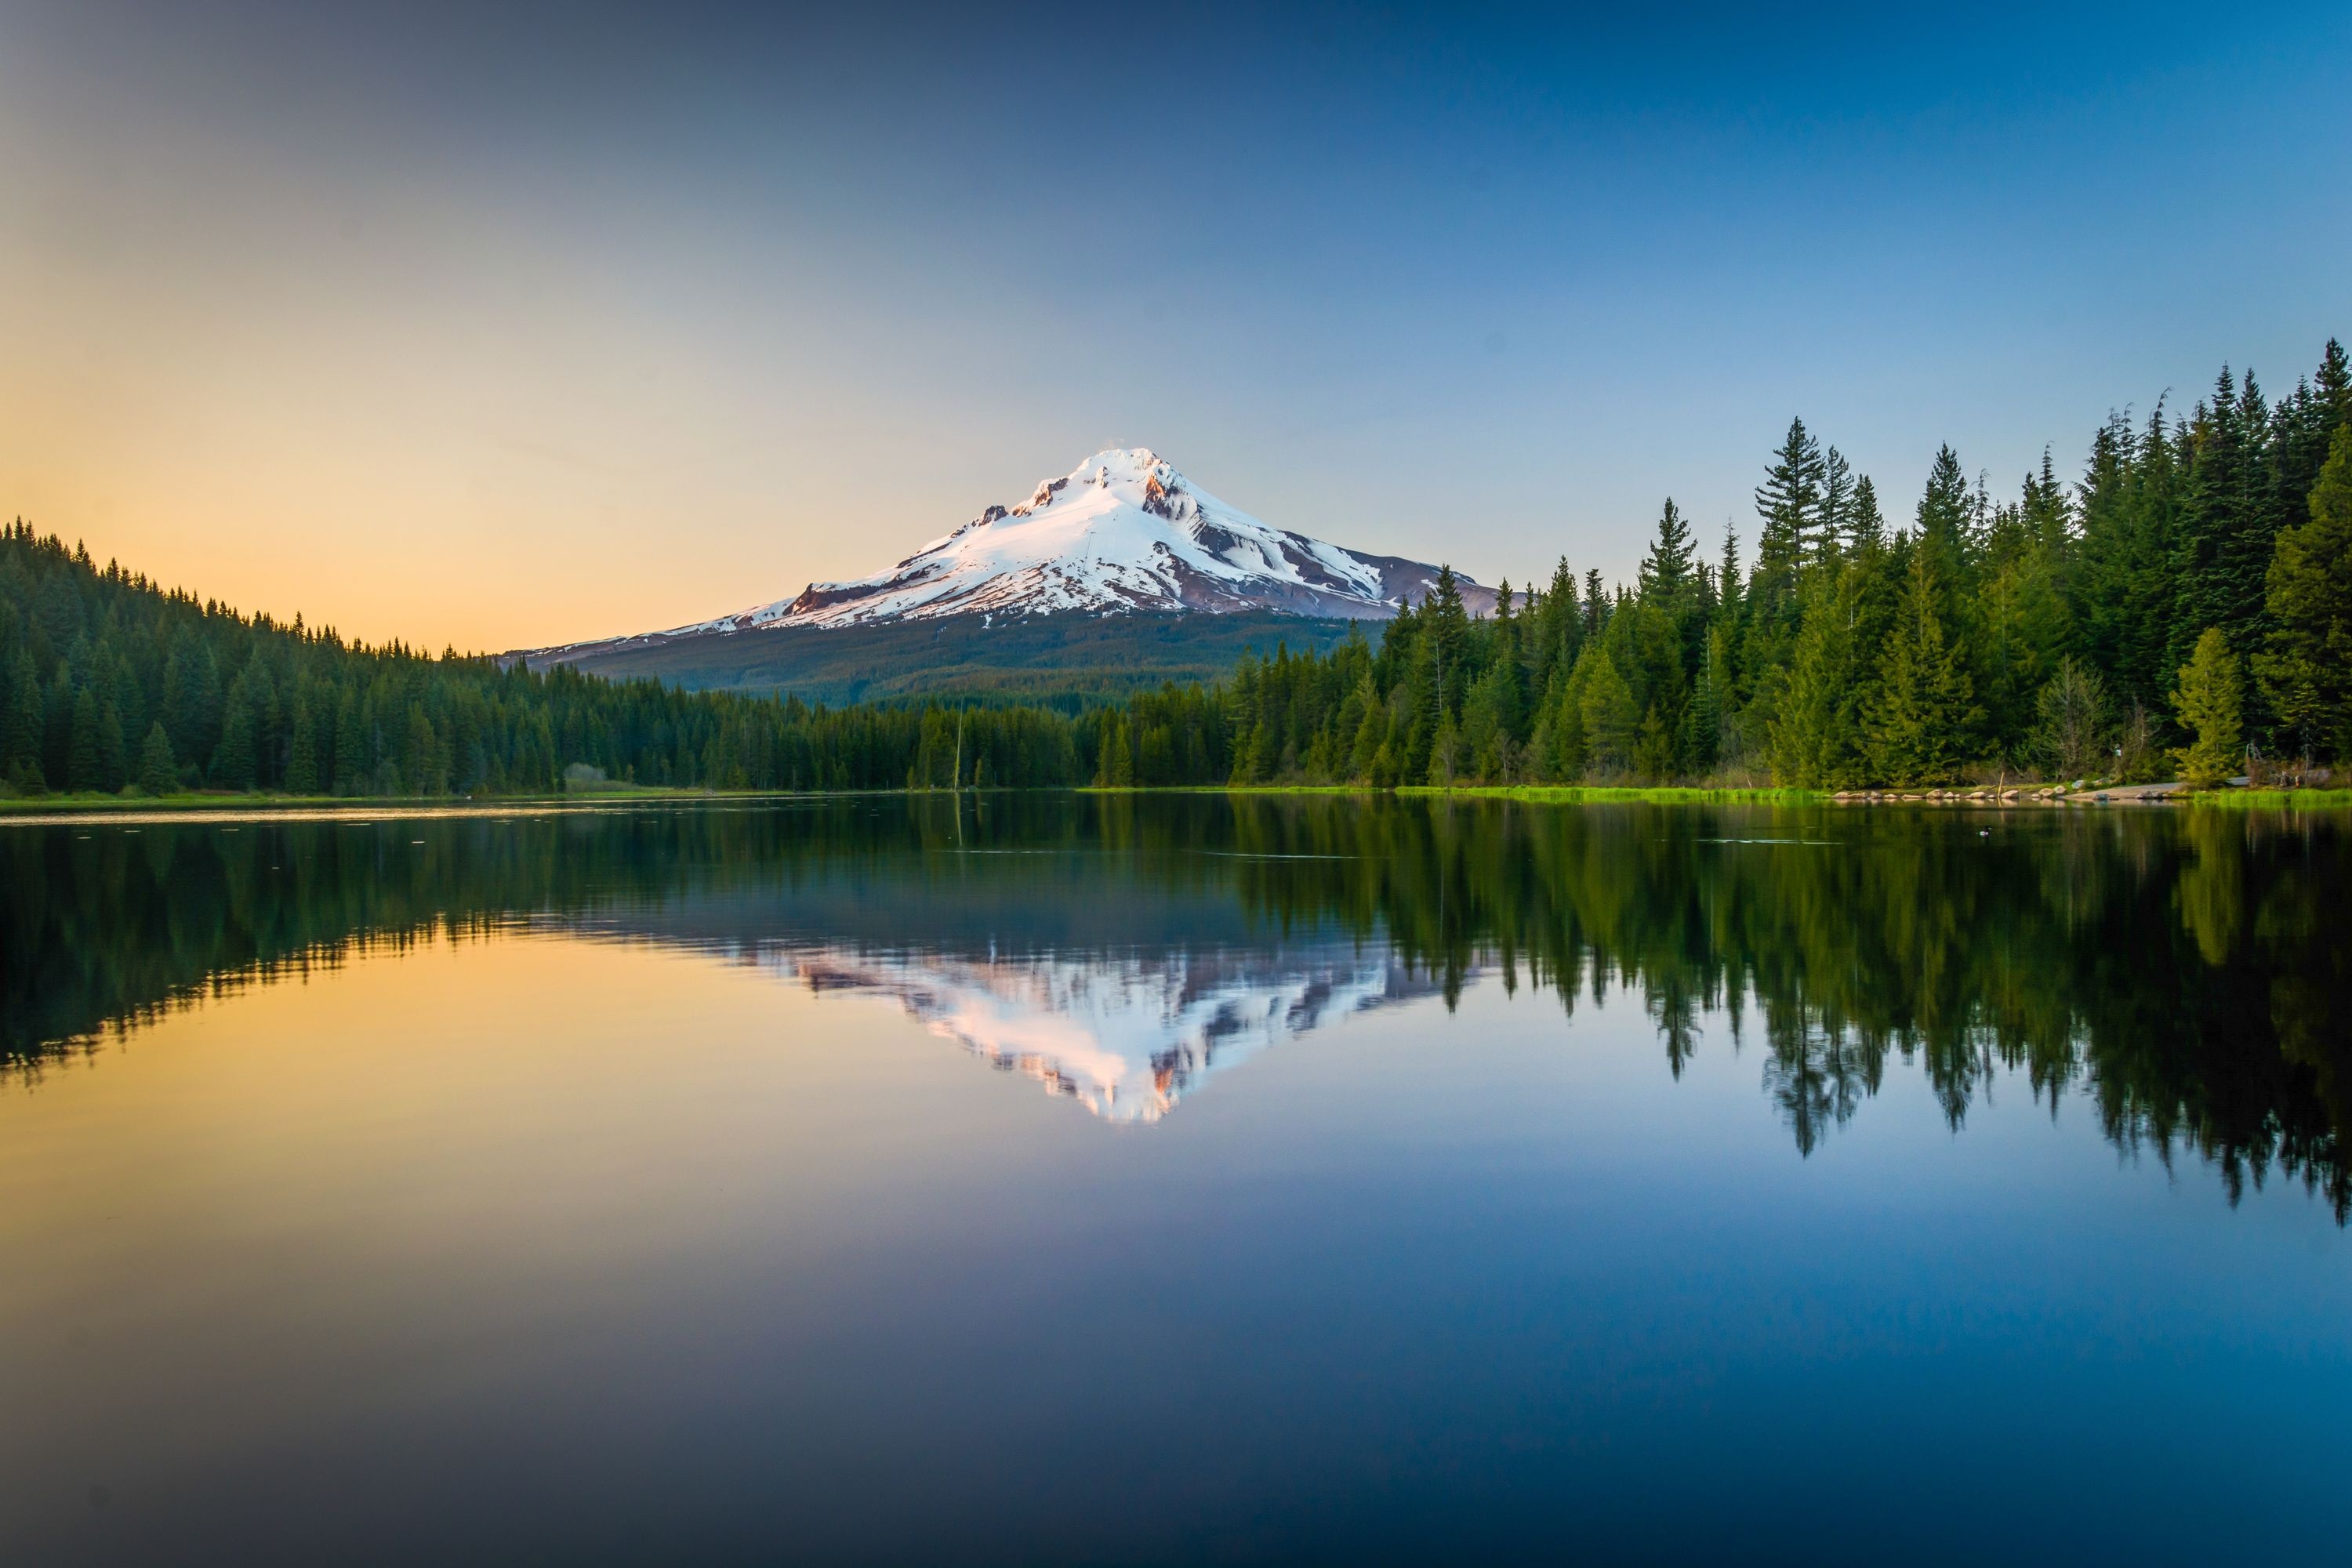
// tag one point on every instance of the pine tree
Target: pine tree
(192, 698)
(2335, 386)
(420, 756)
(1710, 704)
(303, 760)
(1811, 736)
(1838, 501)
(1557, 629)
(1790, 502)
(1926, 710)
(56, 726)
(1371, 733)
(2046, 512)
(1608, 713)
(1866, 529)
(1445, 754)
(2070, 723)
(236, 760)
(2228, 518)
(351, 750)
(1118, 755)
(1253, 759)
(1946, 514)
(1490, 721)
(1731, 621)
(2019, 630)
(1445, 626)
(82, 754)
(2207, 703)
(1667, 571)
(57, 609)
(2298, 442)
(21, 724)
(2130, 548)
(158, 774)
(113, 763)
(2305, 670)
(1789, 505)
(1653, 748)
(1727, 576)
(2247, 551)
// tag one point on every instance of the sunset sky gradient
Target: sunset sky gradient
(505, 325)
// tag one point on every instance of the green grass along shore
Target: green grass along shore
(61, 803)
(87, 803)
(1728, 794)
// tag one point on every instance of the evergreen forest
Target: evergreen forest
(2182, 608)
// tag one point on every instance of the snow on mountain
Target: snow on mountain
(1121, 532)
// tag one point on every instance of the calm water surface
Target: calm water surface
(1063, 1179)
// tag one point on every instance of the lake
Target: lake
(1104, 1179)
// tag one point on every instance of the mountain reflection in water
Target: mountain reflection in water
(1125, 1036)
(2185, 971)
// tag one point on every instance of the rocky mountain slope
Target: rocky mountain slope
(1123, 533)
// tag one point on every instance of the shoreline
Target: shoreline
(69, 808)
(2040, 794)
(91, 808)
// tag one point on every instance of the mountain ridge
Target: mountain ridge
(1070, 660)
(1124, 534)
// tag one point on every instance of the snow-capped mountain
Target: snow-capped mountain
(1122, 533)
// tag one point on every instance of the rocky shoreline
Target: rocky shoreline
(2018, 794)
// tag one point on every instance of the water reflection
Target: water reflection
(2184, 969)
(1126, 1035)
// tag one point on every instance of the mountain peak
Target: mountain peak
(1123, 532)
(1136, 461)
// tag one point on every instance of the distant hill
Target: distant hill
(1064, 659)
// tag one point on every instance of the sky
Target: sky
(499, 325)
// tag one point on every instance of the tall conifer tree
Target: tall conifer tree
(2207, 701)
(1924, 720)
(2305, 670)
(158, 774)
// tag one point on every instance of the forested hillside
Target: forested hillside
(2187, 599)
(108, 680)
(1070, 662)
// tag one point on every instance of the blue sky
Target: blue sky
(667, 311)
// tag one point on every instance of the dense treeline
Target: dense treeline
(2189, 597)
(2187, 601)
(107, 681)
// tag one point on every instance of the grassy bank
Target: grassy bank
(2265, 799)
(1231, 789)
(64, 803)
(1560, 794)
(21, 807)
(2241, 799)
(1732, 794)
(1588, 794)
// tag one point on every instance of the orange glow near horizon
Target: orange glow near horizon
(490, 474)
(427, 409)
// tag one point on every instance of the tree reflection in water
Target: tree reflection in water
(2185, 969)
